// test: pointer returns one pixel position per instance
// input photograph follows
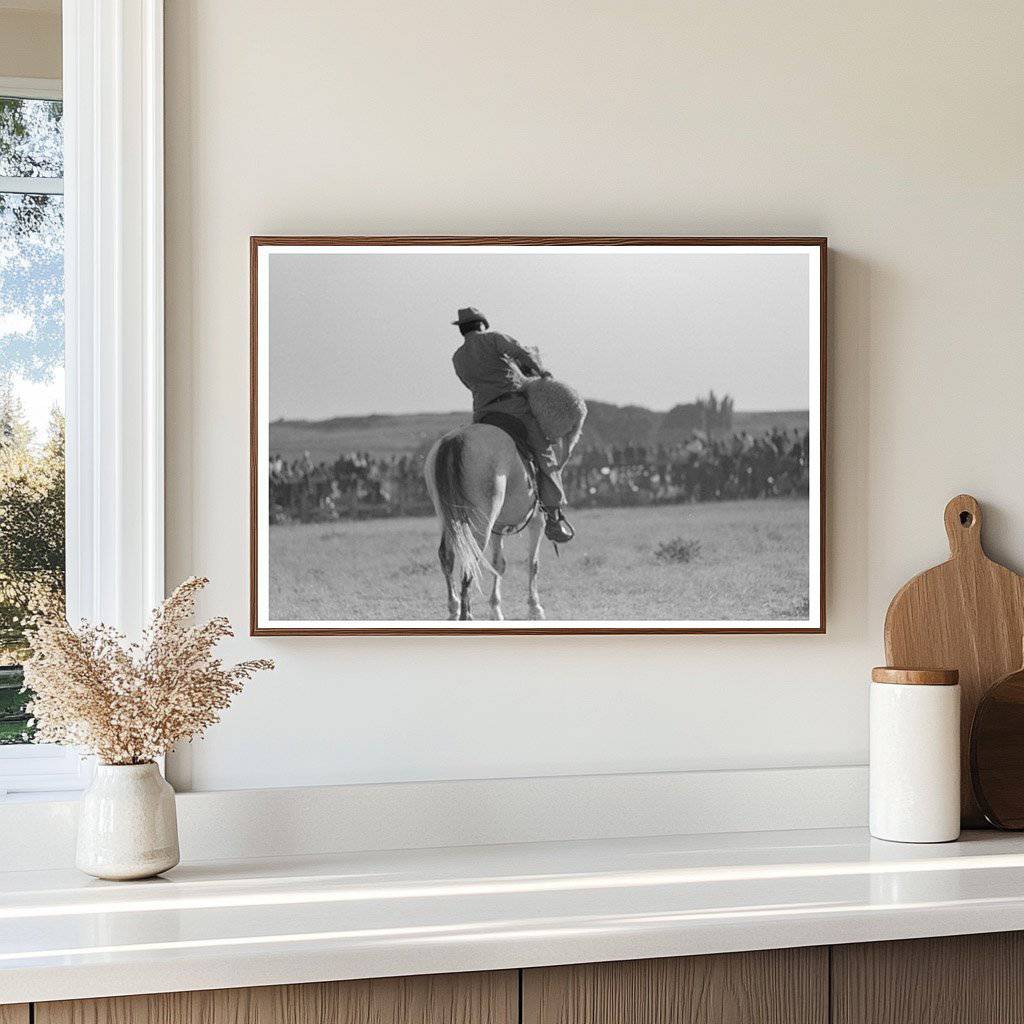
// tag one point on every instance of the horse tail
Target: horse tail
(456, 512)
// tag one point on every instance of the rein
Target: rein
(511, 531)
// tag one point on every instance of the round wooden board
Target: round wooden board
(997, 753)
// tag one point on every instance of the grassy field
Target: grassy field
(744, 560)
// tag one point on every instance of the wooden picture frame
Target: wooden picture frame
(260, 250)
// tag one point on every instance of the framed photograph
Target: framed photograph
(537, 435)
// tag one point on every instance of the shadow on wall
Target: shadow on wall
(853, 288)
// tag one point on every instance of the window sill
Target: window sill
(30, 772)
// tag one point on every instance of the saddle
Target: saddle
(516, 429)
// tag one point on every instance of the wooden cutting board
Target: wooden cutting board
(967, 614)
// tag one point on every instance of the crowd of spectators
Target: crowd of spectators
(774, 464)
(355, 485)
(702, 468)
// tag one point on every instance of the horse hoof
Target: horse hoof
(536, 612)
(498, 617)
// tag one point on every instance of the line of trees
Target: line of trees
(32, 554)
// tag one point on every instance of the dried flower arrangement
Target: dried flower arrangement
(129, 703)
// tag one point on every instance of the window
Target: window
(109, 169)
(31, 408)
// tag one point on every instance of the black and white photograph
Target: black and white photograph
(537, 435)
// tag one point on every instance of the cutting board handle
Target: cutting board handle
(963, 526)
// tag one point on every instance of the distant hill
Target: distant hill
(607, 424)
(758, 422)
(379, 435)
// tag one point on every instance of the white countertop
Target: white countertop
(298, 919)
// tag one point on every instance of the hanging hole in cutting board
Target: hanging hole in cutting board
(966, 518)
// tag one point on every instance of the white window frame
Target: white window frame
(114, 328)
(31, 88)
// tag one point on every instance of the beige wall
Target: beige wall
(30, 41)
(895, 129)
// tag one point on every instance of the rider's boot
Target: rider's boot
(556, 526)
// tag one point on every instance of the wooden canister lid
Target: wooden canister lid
(916, 676)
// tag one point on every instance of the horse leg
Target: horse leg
(536, 533)
(498, 561)
(447, 561)
(464, 612)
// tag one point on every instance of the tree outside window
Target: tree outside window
(31, 385)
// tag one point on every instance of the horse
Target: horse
(482, 490)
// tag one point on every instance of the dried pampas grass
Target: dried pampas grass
(129, 703)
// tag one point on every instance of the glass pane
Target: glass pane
(31, 138)
(31, 431)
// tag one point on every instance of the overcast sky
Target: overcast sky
(353, 333)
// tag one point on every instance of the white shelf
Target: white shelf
(352, 915)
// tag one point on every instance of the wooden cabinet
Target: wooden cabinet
(491, 998)
(970, 979)
(963, 979)
(779, 986)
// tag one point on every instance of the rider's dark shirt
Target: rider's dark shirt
(479, 364)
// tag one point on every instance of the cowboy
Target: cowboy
(480, 365)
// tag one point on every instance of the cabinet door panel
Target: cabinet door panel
(779, 986)
(14, 1013)
(481, 998)
(961, 979)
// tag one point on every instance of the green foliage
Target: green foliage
(31, 523)
(14, 720)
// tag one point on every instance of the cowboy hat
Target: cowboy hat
(470, 315)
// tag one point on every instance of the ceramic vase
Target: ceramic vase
(127, 826)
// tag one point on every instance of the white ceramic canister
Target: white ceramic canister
(127, 824)
(915, 755)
